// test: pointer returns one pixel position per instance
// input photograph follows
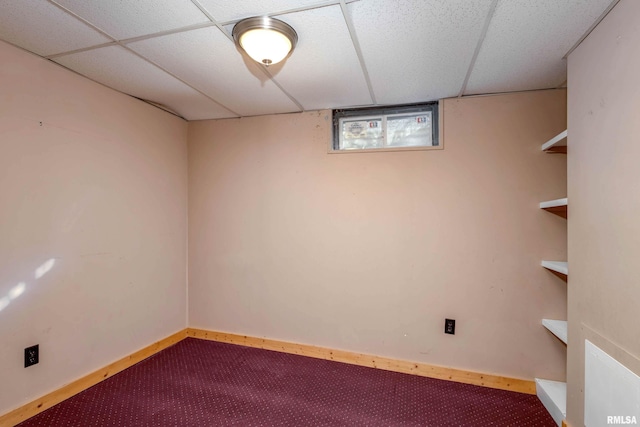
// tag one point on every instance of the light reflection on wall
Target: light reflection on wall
(44, 268)
(19, 289)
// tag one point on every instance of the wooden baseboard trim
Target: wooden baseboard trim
(415, 368)
(33, 408)
(45, 402)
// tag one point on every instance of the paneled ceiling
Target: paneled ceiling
(180, 54)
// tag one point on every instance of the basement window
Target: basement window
(405, 127)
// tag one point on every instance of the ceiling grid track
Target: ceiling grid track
(483, 35)
(83, 49)
(356, 45)
(275, 82)
(81, 19)
(133, 39)
(121, 44)
(221, 26)
(591, 28)
(213, 20)
(169, 32)
(175, 54)
(213, 23)
(309, 7)
(180, 80)
(262, 68)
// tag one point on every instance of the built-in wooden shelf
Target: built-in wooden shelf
(560, 267)
(557, 144)
(557, 328)
(553, 395)
(558, 206)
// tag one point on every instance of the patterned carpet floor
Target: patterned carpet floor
(204, 383)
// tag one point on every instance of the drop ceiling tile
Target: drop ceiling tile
(418, 50)
(323, 71)
(225, 10)
(122, 70)
(209, 61)
(29, 23)
(126, 19)
(526, 41)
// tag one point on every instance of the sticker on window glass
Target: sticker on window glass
(361, 134)
(361, 129)
(355, 129)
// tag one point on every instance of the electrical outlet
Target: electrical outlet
(450, 326)
(31, 355)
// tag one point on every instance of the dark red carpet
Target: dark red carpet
(204, 383)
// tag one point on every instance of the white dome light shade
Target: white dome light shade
(266, 40)
(265, 46)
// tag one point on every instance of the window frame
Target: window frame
(382, 113)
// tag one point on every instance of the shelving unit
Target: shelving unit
(557, 144)
(558, 206)
(561, 267)
(557, 328)
(553, 394)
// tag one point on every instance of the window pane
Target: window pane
(409, 131)
(393, 127)
(361, 134)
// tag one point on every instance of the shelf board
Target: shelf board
(558, 206)
(560, 267)
(557, 144)
(557, 328)
(553, 395)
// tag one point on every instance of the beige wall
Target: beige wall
(96, 181)
(604, 193)
(363, 252)
(369, 252)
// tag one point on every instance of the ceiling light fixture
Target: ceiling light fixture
(266, 40)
